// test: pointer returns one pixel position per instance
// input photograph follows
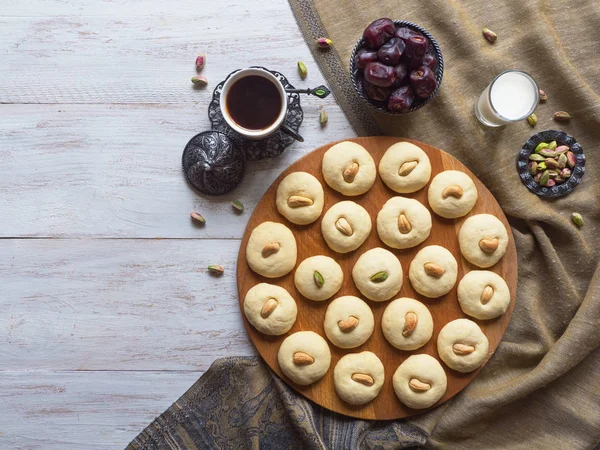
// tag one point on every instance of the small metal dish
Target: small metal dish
(561, 138)
(356, 74)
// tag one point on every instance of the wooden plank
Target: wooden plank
(144, 58)
(83, 410)
(443, 309)
(115, 171)
(118, 304)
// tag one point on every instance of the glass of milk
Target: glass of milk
(511, 96)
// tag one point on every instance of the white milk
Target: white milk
(514, 96)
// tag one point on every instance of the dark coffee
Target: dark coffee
(253, 102)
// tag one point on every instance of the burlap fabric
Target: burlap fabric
(541, 389)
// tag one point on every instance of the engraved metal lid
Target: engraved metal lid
(213, 163)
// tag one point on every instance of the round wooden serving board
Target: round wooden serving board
(311, 314)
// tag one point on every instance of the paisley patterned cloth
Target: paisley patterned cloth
(240, 404)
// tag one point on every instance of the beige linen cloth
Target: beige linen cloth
(541, 389)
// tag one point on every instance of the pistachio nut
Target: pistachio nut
(550, 183)
(541, 146)
(379, 277)
(562, 116)
(577, 219)
(302, 70)
(319, 280)
(543, 96)
(532, 167)
(536, 157)
(547, 153)
(532, 119)
(216, 269)
(565, 173)
(323, 118)
(200, 80)
(562, 161)
(200, 62)
(553, 173)
(541, 166)
(489, 35)
(551, 163)
(537, 177)
(324, 42)
(552, 145)
(545, 177)
(237, 205)
(197, 217)
(561, 149)
(571, 161)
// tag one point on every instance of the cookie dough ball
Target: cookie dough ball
(349, 322)
(420, 381)
(378, 274)
(405, 168)
(300, 198)
(348, 168)
(433, 271)
(483, 240)
(304, 357)
(270, 309)
(483, 294)
(271, 250)
(318, 277)
(462, 345)
(452, 194)
(345, 226)
(407, 324)
(358, 377)
(403, 222)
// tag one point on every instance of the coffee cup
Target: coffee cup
(254, 103)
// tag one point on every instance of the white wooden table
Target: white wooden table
(107, 313)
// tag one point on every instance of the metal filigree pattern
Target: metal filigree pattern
(271, 146)
(576, 173)
(212, 163)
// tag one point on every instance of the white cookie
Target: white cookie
(483, 294)
(483, 240)
(378, 274)
(433, 271)
(270, 309)
(304, 357)
(358, 377)
(405, 168)
(271, 250)
(407, 324)
(349, 322)
(300, 198)
(452, 194)
(420, 381)
(324, 283)
(403, 222)
(345, 226)
(462, 345)
(348, 168)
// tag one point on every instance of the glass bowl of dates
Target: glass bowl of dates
(396, 66)
(551, 163)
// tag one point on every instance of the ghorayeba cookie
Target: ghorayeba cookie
(452, 194)
(271, 250)
(348, 168)
(318, 277)
(405, 168)
(378, 274)
(304, 357)
(358, 377)
(349, 322)
(483, 294)
(462, 345)
(403, 222)
(407, 324)
(300, 198)
(345, 226)
(483, 240)
(433, 271)
(270, 309)
(420, 381)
